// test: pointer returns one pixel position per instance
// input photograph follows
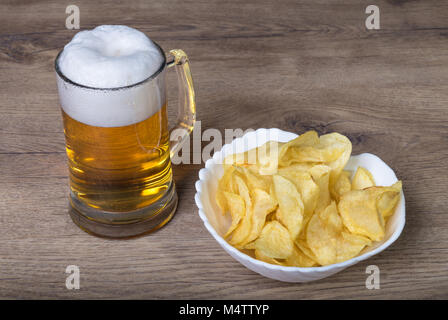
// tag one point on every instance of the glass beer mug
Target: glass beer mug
(118, 147)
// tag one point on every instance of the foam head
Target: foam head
(111, 57)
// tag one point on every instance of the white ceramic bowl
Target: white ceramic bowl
(217, 224)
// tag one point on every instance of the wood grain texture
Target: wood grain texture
(295, 65)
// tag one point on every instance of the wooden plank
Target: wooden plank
(295, 65)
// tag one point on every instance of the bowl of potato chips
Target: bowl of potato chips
(299, 208)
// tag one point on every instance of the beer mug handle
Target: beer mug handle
(187, 105)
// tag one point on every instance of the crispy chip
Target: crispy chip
(274, 241)
(310, 154)
(322, 234)
(224, 184)
(268, 158)
(307, 188)
(337, 141)
(308, 139)
(321, 176)
(388, 200)
(260, 256)
(249, 246)
(242, 159)
(254, 180)
(350, 245)
(299, 259)
(262, 160)
(387, 203)
(309, 148)
(342, 185)
(263, 205)
(244, 228)
(360, 215)
(362, 179)
(272, 193)
(363, 211)
(290, 204)
(237, 210)
(304, 167)
(328, 240)
(303, 246)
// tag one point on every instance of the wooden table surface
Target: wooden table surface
(295, 65)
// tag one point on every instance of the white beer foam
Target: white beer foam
(111, 57)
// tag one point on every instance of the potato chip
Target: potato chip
(337, 141)
(237, 210)
(242, 159)
(328, 240)
(309, 148)
(310, 154)
(260, 256)
(398, 186)
(243, 191)
(388, 200)
(350, 245)
(262, 206)
(360, 215)
(322, 234)
(321, 176)
(387, 203)
(290, 204)
(268, 158)
(303, 246)
(224, 185)
(254, 180)
(249, 246)
(307, 188)
(362, 179)
(275, 241)
(331, 218)
(342, 185)
(304, 167)
(244, 228)
(272, 193)
(308, 139)
(299, 259)
(262, 160)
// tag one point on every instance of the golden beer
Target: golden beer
(119, 169)
(112, 89)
